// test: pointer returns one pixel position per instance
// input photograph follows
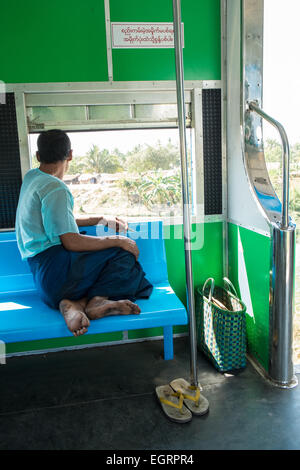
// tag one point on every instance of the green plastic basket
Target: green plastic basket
(221, 331)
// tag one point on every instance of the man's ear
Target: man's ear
(38, 156)
(70, 155)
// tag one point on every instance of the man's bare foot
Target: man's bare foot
(74, 315)
(99, 307)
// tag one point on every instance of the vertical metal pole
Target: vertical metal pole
(23, 133)
(281, 369)
(108, 40)
(185, 188)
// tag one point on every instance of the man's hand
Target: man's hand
(129, 245)
(78, 242)
(116, 224)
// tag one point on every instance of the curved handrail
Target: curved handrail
(253, 106)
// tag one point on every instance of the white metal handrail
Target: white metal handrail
(253, 106)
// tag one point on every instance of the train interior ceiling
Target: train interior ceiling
(214, 162)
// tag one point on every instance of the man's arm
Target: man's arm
(78, 242)
(87, 221)
(115, 223)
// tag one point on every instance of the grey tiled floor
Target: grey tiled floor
(103, 398)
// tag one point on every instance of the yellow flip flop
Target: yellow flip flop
(172, 404)
(192, 398)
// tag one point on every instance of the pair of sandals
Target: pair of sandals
(180, 400)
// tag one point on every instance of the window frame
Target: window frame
(114, 93)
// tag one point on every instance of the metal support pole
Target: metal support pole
(185, 189)
(281, 368)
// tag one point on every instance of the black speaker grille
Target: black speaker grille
(212, 151)
(10, 168)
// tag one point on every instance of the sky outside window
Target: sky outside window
(281, 87)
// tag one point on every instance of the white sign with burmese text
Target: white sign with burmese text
(142, 35)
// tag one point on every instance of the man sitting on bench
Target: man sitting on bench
(85, 277)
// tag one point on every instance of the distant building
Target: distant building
(89, 178)
(71, 179)
(109, 177)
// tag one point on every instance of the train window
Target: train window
(282, 101)
(130, 173)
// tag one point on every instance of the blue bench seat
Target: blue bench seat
(24, 317)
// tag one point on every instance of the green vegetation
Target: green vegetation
(153, 190)
(273, 153)
(145, 181)
(140, 159)
(97, 161)
(150, 158)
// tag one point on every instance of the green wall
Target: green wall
(249, 260)
(201, 54)
(65, 41)
(52, 41)
(207, 261)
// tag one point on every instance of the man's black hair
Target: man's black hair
(53, 146)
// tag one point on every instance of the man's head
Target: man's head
(54, 146)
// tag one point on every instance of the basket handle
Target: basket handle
(231, 286)
(211, 288)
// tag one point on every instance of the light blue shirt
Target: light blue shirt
(45, 211)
